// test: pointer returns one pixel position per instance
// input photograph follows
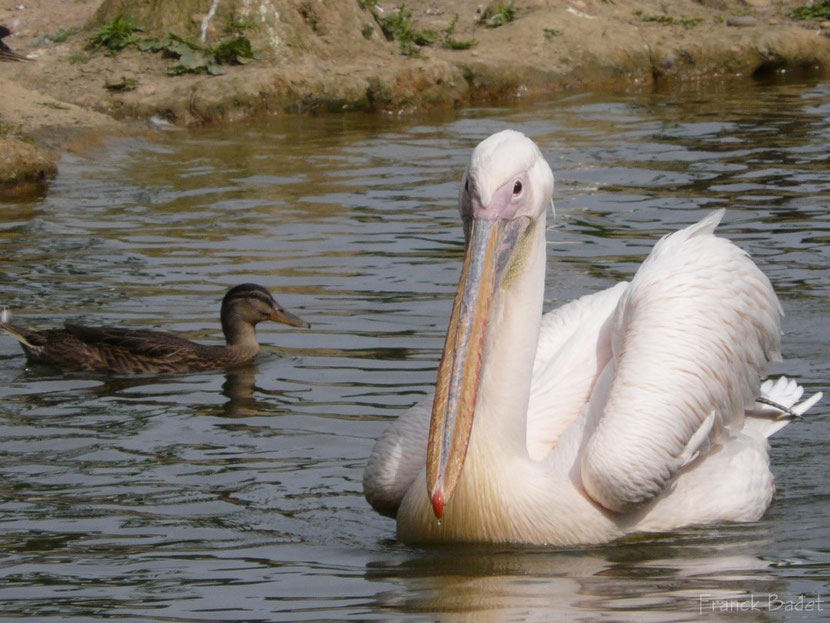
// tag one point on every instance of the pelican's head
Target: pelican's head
(507, 179)
(505, 192)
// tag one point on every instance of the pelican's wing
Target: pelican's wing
(399, 455)
(574, 346)
(692, 337)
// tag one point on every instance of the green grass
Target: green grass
(238, 25)
(668, 20)
(504, 14)
(192, 58)
(456, 44)
(7, 129)
(817, 10)
(234, 48)
(115, 36)
(400, 27)
(62, 35)
(550, 33)
(78, 58)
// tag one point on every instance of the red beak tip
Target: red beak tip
(438, 503)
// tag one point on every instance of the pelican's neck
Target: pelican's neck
(500, 423)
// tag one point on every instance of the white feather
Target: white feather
(632, 409)
(694, 333)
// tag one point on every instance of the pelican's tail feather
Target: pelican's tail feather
(779, 405)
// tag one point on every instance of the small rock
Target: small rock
(159, 122)
(825, 25)
(758, 4)
(773, 22)
(741, 20)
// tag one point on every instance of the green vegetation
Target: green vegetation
(115, 36)
(367, 31)
(7, 129)
(76, 59)
(62, 35)
(668, 20)
(234, 48)
(11, 131)
(453, 43)
(193, 58)
(503, 14)
(400, 27)
(819, 9)
(550, 33)
(238, 25)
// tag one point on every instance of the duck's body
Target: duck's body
(632, 409)
(126, 351)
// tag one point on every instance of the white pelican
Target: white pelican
(629, 410)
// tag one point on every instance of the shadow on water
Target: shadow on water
(237, 495)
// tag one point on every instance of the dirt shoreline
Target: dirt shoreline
(332, 55)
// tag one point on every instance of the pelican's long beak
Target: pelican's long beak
(490, 249)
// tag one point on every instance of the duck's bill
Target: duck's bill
(490, 250)
(286, 317)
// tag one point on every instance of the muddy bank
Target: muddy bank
(335, 55)
(24, 166)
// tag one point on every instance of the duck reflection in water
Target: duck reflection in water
(238, 388)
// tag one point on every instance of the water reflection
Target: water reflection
(237, 495)
(239, 388)
(663, 578)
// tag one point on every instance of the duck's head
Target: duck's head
(249, 304)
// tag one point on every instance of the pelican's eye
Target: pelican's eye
(517, 188)
(467, 185)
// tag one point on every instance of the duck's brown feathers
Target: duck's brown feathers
(123, 351)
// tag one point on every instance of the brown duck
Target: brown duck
(126, 351)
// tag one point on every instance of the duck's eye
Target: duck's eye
(517, 187)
